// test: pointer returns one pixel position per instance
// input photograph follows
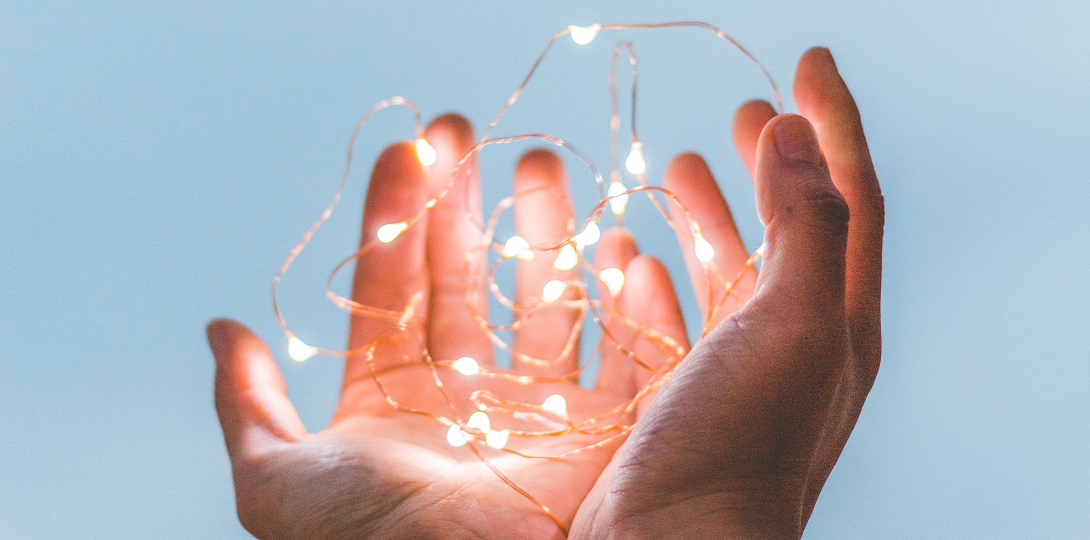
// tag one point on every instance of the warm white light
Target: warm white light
(635, 163)
(424, 152)
(553, 290)
(517, 246)
(566, 259)
(300, 351)
(466, 366)
(497, 439)
(389, 231)
(761, 250)
(583, 35)
(479, 421)
(614, 280)
(455, 436)
(620, 197)
(589, 236)
(556, 404)
(704, 251)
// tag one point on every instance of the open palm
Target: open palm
(377, 473)
(738, 442)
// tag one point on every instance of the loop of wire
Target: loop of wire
(608, 426)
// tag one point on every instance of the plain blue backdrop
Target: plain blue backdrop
(158, 159)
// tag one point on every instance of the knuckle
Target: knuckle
(824, 208)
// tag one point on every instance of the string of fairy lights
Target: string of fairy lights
(570, 286)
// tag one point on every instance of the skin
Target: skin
(737, 444)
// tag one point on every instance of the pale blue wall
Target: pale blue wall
(157, 161)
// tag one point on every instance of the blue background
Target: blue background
(157, 161)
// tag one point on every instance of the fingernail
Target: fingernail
(796, 140)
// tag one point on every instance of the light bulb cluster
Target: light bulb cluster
(501, 422)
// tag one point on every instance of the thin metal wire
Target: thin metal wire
(610, 426)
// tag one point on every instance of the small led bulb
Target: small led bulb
(388, 232)
(589, 236)
(635, 163)
(517, 246)
(479, 421)
(466, 366)
(455, 436)
(704, 251)
(497, 439)
(300, 351)
(556, 404)
(552, 291)
(566, 259)
(620, 197)
(583, 35)
(614, 280)
(424, 152)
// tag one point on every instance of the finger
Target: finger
(649, 301)
(251, 397)
(615, 374)
(393, 276)
(455, 259)
(806, 222)
(543, 216)
(689, 177)
(824, 99)
(749, 120)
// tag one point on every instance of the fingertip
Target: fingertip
(249, 388)
(818, 82)
(684, 166)
(750, 119)
(216, 332)
(539, 162)
(617, 244)
(226, 335)
(395, 159)
(451, 128)
(648, 280)
(746, 128)
(690, 179)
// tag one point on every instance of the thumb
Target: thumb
(806, 219)
(251, 397)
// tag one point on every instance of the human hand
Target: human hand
(740, 441)
(377, 473)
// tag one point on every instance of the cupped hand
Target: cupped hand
(741, 439)
(378, 473)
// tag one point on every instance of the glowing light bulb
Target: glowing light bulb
(479, 421)
(553, 290)
(466, 366)
(761, 250)
(497, 439)
(704, 251)
(566, 259)
(424, 152)
(455, 437)
(620, 197)
(635, 163)
(517, 246)
(613, 278)
(556, 404)
(583, 35)
(589, 236)
(388, 232)
(300, 351)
